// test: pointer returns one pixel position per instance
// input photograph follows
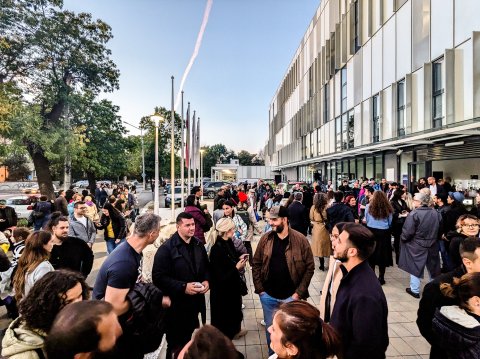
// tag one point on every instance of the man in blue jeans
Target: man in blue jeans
(283, 266)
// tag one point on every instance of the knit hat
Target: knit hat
(224, 225)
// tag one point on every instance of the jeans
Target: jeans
(415, 283)
(269, 305)
(445, 257)
(111, 245)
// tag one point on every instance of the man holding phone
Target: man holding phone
(181, 271)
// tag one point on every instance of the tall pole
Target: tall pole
(143, 162)
(201, 171)
(187, 149)
(182, 163)
(156, 200)
(172, 157)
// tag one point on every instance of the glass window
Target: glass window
(351, 130)
(401, 108)
(437, 93)
(378, 167)
(343, 94)
(360, 167)
(357, 39)
(326, 103)
(338, 134)
(344, 131)
(375, 118)
(369, 167)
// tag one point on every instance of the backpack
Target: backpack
(244, 216)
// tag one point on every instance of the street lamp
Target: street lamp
(143, 153)
(201, 171)
(156, 201)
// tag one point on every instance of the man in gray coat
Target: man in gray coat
(81, 226)
(420, 243)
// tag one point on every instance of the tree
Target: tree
(215, 154)
(58, 54)
(17, 167)
(103, 149)
(245, 158)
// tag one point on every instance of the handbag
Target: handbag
(243, 285)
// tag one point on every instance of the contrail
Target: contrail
(206, 14)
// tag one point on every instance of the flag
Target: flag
(197, 142)
(187, 145)
(193, 145)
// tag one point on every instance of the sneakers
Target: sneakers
(243, 306)
(412, 293)
(240, 334)
(263, 323)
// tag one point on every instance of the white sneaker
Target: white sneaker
(243, 306)
(263, 323)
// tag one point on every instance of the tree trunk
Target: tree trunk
(44, 177)
(92, 182)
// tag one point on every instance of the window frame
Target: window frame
(438, 91)
(401, 118)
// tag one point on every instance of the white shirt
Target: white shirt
(433, 190)
(82, 220)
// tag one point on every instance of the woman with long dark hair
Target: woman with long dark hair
(298, 332)
(33, 264)
(321, 246)
(25, 336)
(225, 285)
(114, 225)
(400, 212)
(378, 217)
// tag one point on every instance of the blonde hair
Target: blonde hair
(224, 225)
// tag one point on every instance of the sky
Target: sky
(245, 53)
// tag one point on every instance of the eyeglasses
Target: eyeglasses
(82, 207)
(470, 225)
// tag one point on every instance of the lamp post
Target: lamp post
(143, 153)
(156, 201)
(201, 171)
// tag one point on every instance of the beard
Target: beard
(342, 257)
(279, 228)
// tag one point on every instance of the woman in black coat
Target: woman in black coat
(114, 225)
(225, 282)
(400, 212)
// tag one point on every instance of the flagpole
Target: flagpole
(194, 146)
(182, 164)
(187, 150)
(172, 157)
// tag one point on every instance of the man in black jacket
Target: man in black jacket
(432, 297)
(8, 217)
(180, 270)
(68, 252)
(296, 214)
(360, 311)
(338, 212)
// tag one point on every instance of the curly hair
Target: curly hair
(379, 206)
(320, 201)
(48, 296)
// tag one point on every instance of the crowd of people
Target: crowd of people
(352, 231)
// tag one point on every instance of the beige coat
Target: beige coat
(337, 277)
(321, 245)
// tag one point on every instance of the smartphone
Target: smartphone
(245, 257)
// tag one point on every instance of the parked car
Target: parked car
(23, 205)
(177, 196)
(34, 189)
(211, 189)
(81, 184)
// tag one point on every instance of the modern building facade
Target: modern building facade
(383, 89)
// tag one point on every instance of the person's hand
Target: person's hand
(241, 263)
(117, 240)
(192, 289)
(295, 296)
(205, 211)
(166, 302)
(206, 286)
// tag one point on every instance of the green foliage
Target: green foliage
(52, 57)
(245, 158)
(17, 167)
